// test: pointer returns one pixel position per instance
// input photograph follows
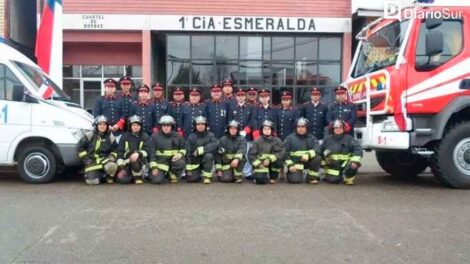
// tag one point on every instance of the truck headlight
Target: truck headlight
(78, 133)
(389, 125)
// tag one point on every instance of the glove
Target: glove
(347, 128)
(221, 150)
(243, 133)
(326, 153)
(180, 132)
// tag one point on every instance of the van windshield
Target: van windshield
(41, 83)
(381, 49)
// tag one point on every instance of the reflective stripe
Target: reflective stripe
(114, 154)
(183, 152)
(143, 153)
(332, 172)
(82, 154)
(94, 168)
(141, 145)
(238, 156)
(206, 174)
(230, 156)
(137, 174)
(355, 159)
(172, 176)
(126, 148)
(152, 165)
(299, 166)
(275, 169)
(263, 170)
(312, 173)
(192, 166)
(225, 167)
(289, 163)
(237, 173)
(298, 153)
(163, 167)
(200, 150)
(218, 166)
(166, 153)
(256, 163)
(272, 158)
(340, 156)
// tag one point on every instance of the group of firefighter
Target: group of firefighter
(233, 135)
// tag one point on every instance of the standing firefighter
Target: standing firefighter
(134, 151)
(231, 154)
(169, 152)
(97, 150)
(342, 109)
(266, 155)
(302, 154)
(342, 154)
(201, 146)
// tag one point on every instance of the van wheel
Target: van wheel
(36, 164)
(450, 162)
(401, 164)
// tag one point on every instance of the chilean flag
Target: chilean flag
(49, 43)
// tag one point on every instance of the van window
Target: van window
(7, 82)
(453, 44)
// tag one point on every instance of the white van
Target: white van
(38, 135)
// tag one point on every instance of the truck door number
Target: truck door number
(4, 114)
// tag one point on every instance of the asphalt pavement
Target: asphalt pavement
(381, 219)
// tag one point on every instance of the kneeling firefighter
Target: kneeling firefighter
(302, 154)
(266, 155)
(231, 154)
(342, 155)
(169, 150)
(201, 146)
(97, 149)
(134, 151)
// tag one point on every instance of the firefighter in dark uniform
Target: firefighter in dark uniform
(170, 151)
(134, 151)
(231, 154)
(145, 109)
(227, 88)
(241, 112)
(252, 96)
(342, 155)
(175, 107)
(286, 116)
(161, 104)
(201, 147)
(190, 110)
(97, 149)
(303, 153)
(127, 98)
(264, 111)
(266, 155)
(315, 111)
(342, 109)
(110, 106)
(216, 112)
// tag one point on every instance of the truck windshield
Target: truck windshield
(39, 81)
(380, 49)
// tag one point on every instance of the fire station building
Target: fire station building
(280, 45)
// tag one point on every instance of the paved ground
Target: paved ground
(379, 220)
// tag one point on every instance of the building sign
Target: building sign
(206, 23)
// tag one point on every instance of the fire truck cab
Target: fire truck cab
(410, 79)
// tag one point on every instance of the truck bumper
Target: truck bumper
(69, 154)
(374, 138)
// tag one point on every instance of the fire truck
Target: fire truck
(410, 80)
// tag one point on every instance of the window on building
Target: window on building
(276, 62)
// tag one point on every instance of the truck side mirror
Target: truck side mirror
(434, 43)
(18, 93)
(432, 23)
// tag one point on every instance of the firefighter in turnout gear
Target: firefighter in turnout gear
(286, 116)
(145, 109)
(126, 96)
(315, 111)
(97, 149)
(342, 109)
(231, 154)
(342, 155)
(302, 154)
(216, 112)
(170, 151)
(110, 106)
(201, 147)
(266, 155)
(134, 151)
(190, 110)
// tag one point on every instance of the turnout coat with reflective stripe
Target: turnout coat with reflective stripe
(131, 143)
(97, 147)
(166, 146)
(297, 146)
(342, 147)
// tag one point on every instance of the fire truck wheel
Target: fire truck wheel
(36, 164)
(401, 164)
(450, 163)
